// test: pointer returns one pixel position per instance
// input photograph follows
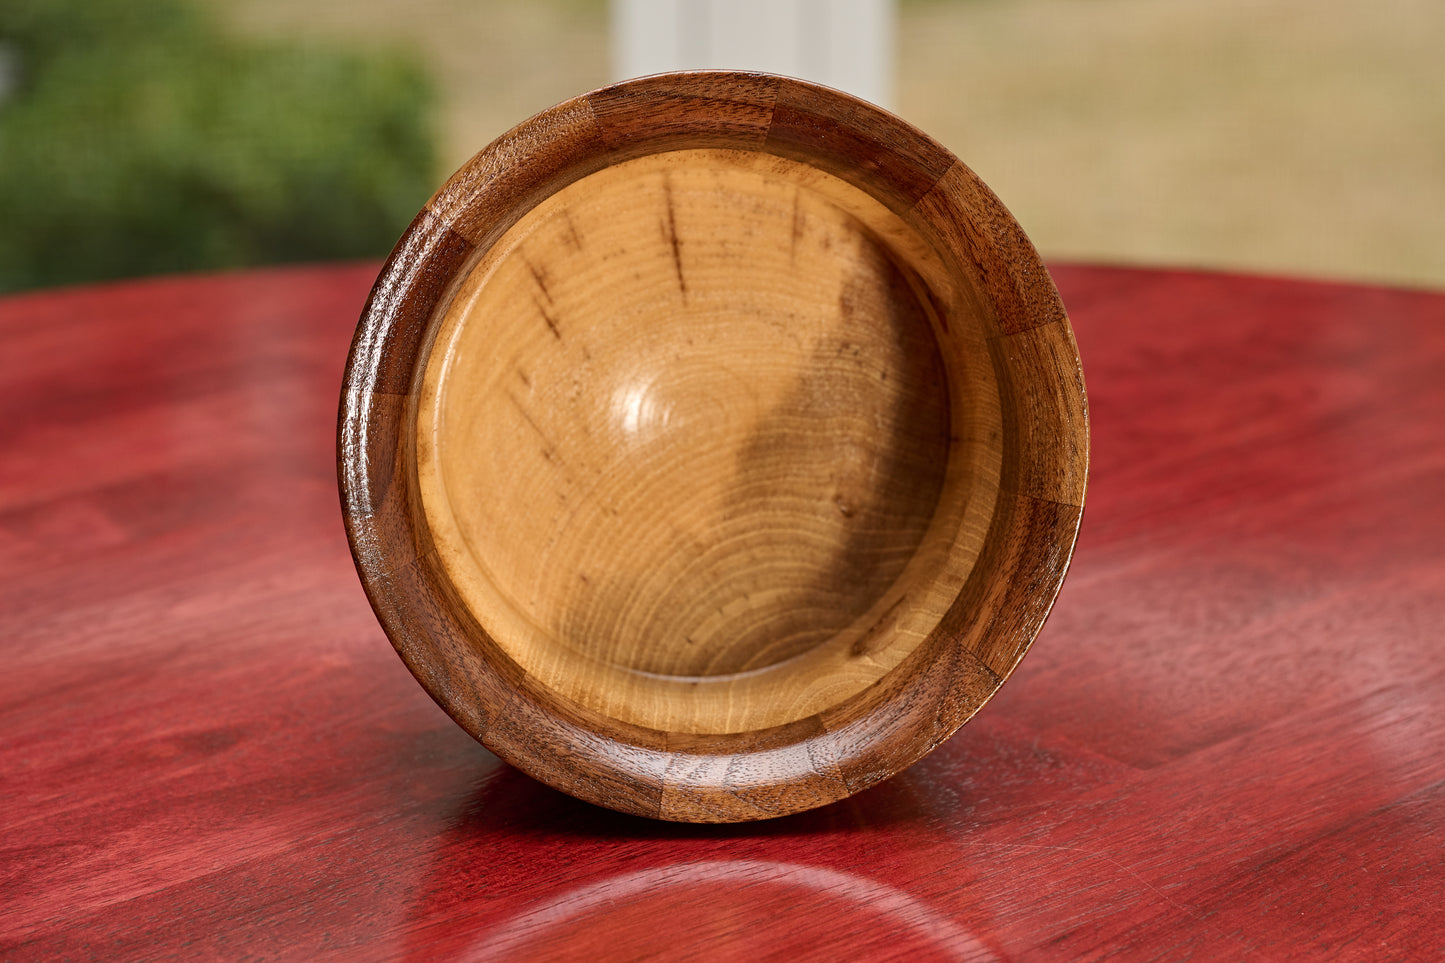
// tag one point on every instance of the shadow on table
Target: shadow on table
(528, 873)
(510, 800)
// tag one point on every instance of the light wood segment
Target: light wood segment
(685, 429)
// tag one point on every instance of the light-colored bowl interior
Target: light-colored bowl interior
(708, 441)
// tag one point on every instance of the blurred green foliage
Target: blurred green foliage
(136, 137)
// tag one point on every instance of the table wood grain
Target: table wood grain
(1225, 744)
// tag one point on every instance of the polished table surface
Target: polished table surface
(1227, 743)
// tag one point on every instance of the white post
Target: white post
(847, 44)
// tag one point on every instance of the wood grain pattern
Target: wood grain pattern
(1224, 745)
(713, 429)
(680, 477)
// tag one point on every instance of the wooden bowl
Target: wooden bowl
(713, 446)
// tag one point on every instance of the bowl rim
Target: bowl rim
(914, 707)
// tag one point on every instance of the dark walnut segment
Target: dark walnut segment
(519, 169)
(1008, 596)
(670, 112)
(399, 310)
(985, 242)
(858, 142)
(1045, 412)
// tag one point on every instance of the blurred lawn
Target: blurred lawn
(1263, 135)
(138, 137)
(1294, 136)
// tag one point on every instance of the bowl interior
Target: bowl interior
(708, 440)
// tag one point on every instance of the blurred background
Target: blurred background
(1282, 136)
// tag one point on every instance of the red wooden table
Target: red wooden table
(1227, 742)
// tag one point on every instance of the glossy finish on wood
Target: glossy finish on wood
(725, 463)
(1224, 745)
